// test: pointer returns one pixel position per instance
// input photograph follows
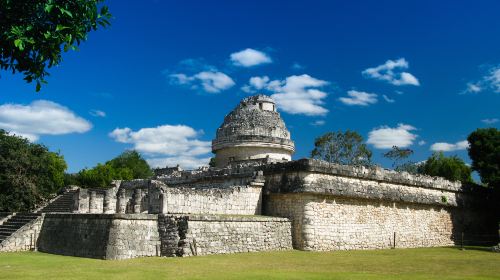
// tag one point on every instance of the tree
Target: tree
(129, 165)
(342, 148)
(397, 155)
(133, 161)
(33, 33)
(452, 168)
(484, 150)
(29, 173)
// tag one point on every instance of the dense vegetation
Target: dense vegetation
(484, 152)
(452, 168)
(29, 173)
(33, 33)
(129, 165)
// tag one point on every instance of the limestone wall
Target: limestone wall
(234, 200)
(221, 234)
(324, 223)
(104, 236)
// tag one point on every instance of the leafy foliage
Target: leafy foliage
(129, 165)
(452, 168)
(33, 33)
(397, 155)
(29, 173)
(342, 148)
(484, 150)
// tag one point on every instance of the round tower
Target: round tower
(254, 130)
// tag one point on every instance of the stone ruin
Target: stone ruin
(255, 199)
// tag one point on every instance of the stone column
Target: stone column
(137, 200)
(92, 202)
(121, 202)
(107, 203)
(163, 203)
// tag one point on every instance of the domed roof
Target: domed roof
(254, 119)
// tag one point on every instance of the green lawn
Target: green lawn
(428, 263)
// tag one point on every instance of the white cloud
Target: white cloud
(294, 95)
(388, 99)
(210, 81)
(172, 144)
(490, 121)
(391, 72)
(41, 117)
(97, 113)
(318, 123)
(449, 147)
(359, 98)
(490, 81)
(250, 57)
(385, 137)
(421, 142)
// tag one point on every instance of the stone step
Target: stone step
(8, 231)
(4, 235)
(6, 226)
(21, 220)
(15, 223)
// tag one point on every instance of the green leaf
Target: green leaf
(38, 86)
(19, 44)
(49, 7)
(64, 11)
(60, 27)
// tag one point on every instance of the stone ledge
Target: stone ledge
(360, 172)
(139, 216)
(227, 218)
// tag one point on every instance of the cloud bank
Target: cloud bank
(167, 145)
(41, 117)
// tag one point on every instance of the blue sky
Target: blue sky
(418, 74)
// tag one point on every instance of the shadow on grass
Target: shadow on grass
(475, 248)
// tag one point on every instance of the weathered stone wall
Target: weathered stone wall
(221, 234)
(104, 236)
(152, 196)
(234, 200)
(24, 239)
(344, 207)
(323, 223)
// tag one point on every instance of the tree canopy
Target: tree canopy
(33, 33)
(484, 150)
(29, 173)
(397, 155)
(129, 165)
(452, 168)
(342, 148)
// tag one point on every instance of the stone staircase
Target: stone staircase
(61, 204)
(15, 222)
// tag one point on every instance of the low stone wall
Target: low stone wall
(221, 234)
(103, 236)
(323, 222)
(24, 239)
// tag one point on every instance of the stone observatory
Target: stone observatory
(253, 131)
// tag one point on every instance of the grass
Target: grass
(425, 263)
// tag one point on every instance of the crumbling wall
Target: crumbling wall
(220, 234)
